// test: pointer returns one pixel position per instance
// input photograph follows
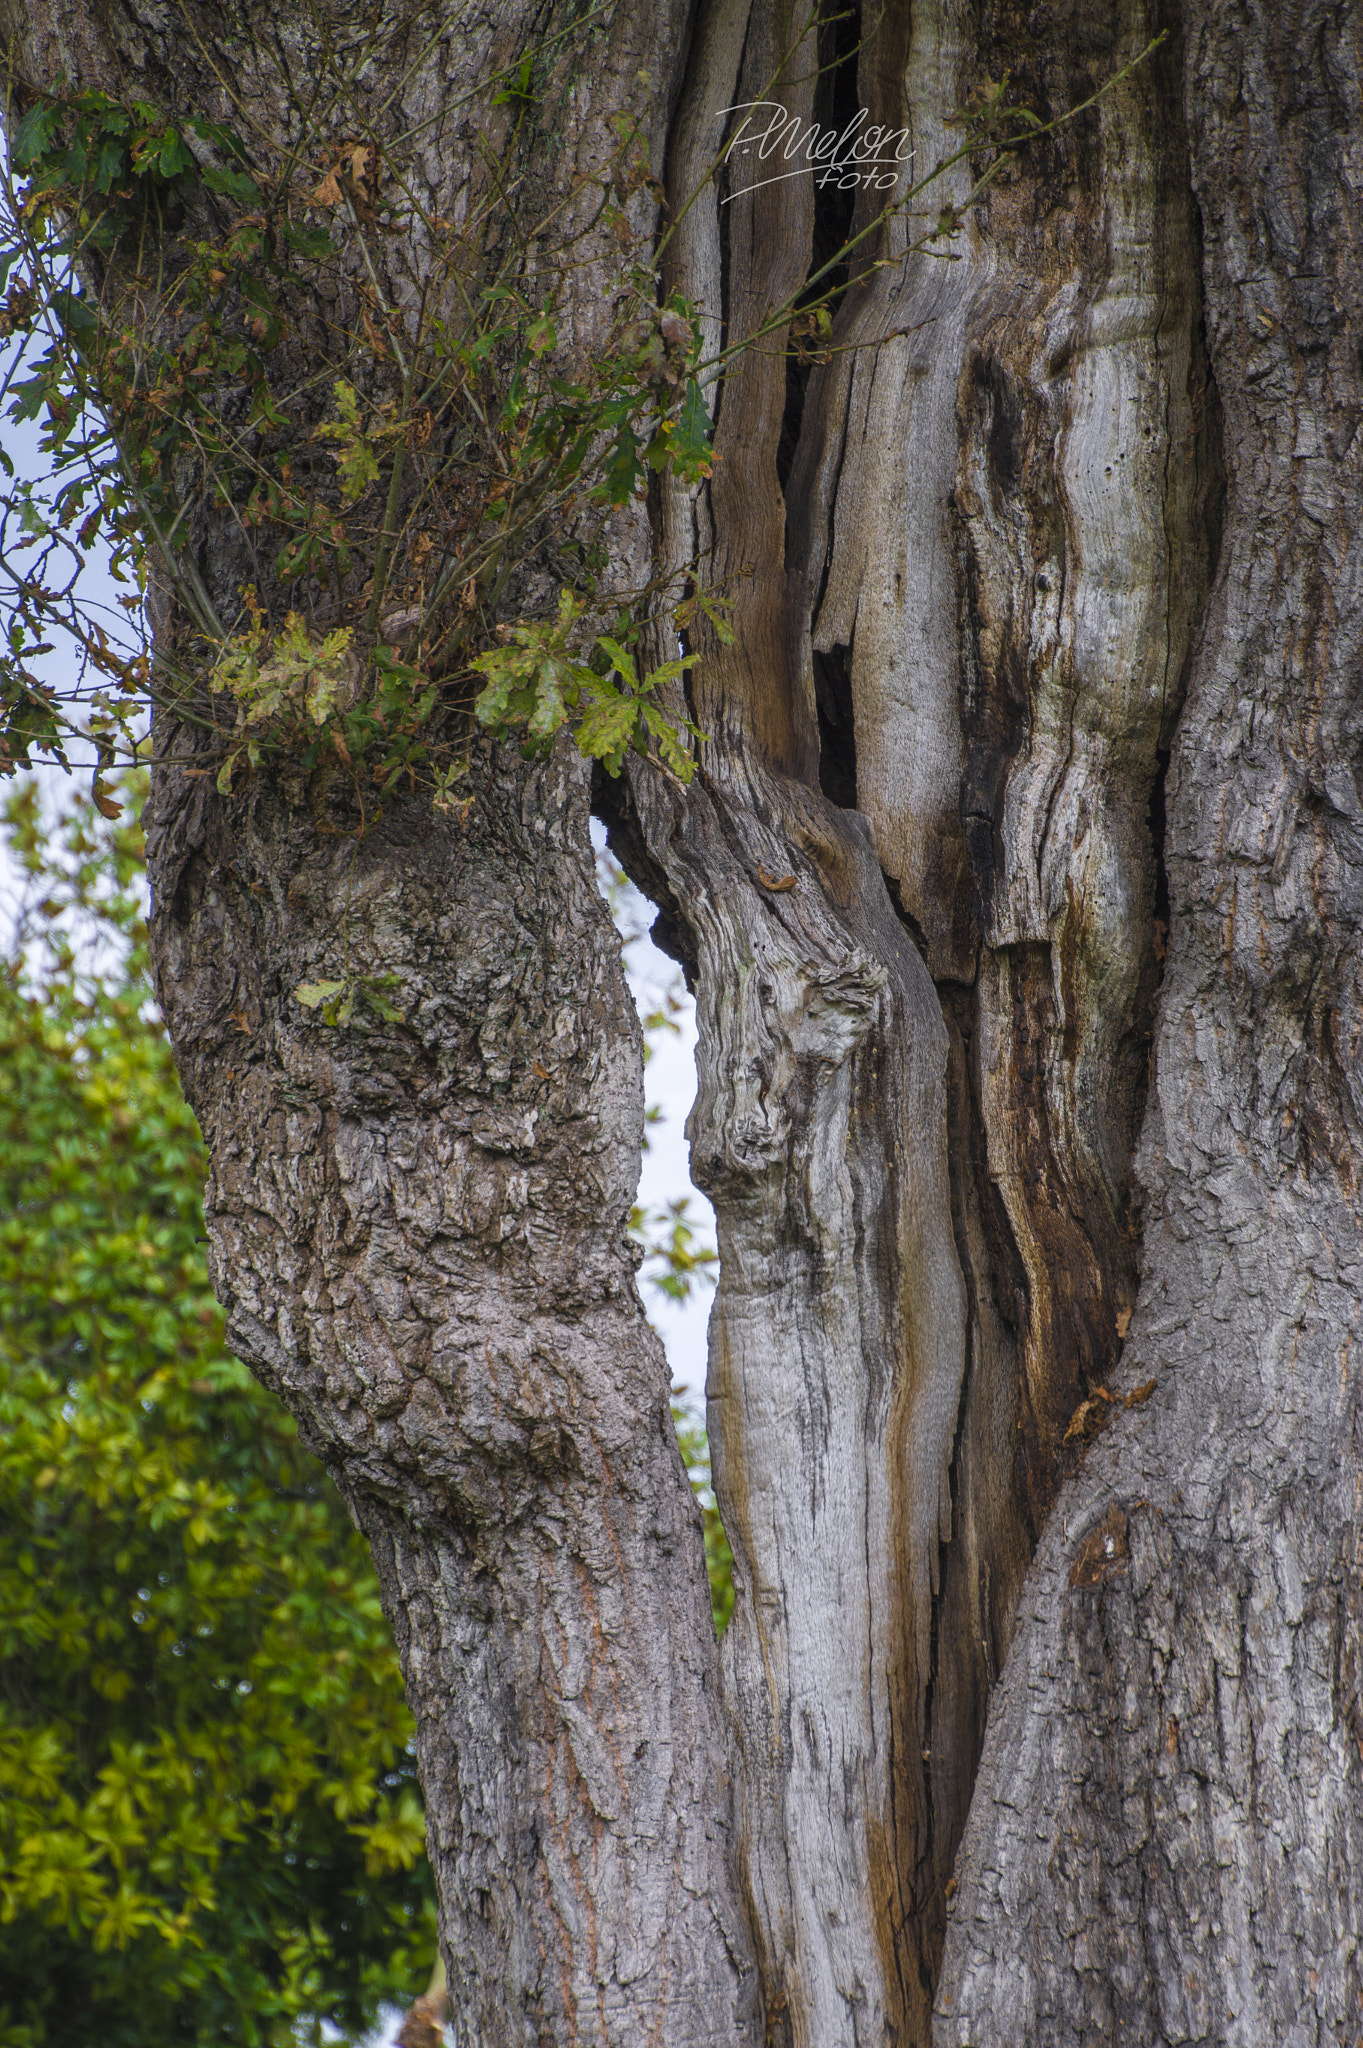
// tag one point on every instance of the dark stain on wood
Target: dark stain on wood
(1104, 1552)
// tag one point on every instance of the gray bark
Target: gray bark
(832, 1396)
(418, 1234)
(970, 605)
(418, 1229)
(1167, 1832)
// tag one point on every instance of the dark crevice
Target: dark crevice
(1138, 1046)
(837, 726)
(906, 917)
(931, 1767)
(995, 709)
(960, 1684)
(797, 376)
(836, 100)
(724, 188)
(1207, 527)
(684, 642)
(1157, 832)
(835, 104)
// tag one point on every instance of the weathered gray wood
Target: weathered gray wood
(993, 532)
(1167, 1835)
(837, 1349)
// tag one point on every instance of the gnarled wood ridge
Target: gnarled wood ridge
(1020, 886)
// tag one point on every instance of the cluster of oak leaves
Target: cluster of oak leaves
(210, 1824)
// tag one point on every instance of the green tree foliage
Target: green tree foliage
(719, 1559)
(210, 1829)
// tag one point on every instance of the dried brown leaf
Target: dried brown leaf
(776, 883)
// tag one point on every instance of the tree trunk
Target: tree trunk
(419, 1237)
(1018, 886)
(417, 1225)
(1167, 1833)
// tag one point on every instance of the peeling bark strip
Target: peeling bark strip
(1167, 1836)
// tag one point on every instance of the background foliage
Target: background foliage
(210, 1826)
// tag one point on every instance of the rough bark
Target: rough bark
(1167, 1831)
(418, 1235)
(835, 1369)
(975, 553)
(418, 1229)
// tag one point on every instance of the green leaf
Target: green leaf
(622, 470)
(541, 335)
(225, 138)
(517, 92)
(233, 185)
(372, 991)
(31, 519)
(29, 395)
(109, 164)
(620, 661)
(311, 993)
(254, 291)
(297, 557)
(355, 459)
(606, 728)
(75, 313)
(174, 156)
(691, 451)
(33, 136)
(714, 610)
(314, 243)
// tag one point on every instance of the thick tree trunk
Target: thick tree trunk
(1167, 1834)
(419, 1237)
(417, 1228)
(965, 563)
(922, 884)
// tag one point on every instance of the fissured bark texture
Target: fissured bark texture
(418, 1234)
(837, 1352)
(966, 550)
(418, 1227)
(1166, 1841)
